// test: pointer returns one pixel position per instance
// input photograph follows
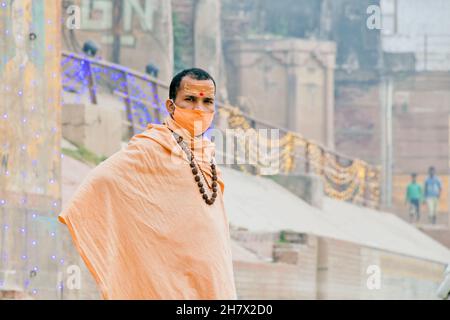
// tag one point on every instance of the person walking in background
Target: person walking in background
(414, 197)
(432, 194)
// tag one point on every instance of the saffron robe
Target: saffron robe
(142, 227)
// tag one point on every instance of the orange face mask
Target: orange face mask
(196, 122)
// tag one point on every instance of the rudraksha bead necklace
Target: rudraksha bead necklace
(196, 170)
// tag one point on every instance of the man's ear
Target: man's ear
(170, 106)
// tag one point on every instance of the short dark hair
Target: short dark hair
(414, 175)
(194, 73)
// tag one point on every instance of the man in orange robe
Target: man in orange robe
(149, 222)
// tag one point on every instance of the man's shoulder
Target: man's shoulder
(153, 135)
(432, 180)
(413, 186)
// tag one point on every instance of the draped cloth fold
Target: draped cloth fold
(142, 228)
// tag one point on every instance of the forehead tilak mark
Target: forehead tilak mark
(199, 89)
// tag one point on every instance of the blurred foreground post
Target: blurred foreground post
(30, 155)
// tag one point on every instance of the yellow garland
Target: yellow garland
(358, 174)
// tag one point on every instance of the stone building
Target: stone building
(128, 32)
(395, 113)
(286, 82)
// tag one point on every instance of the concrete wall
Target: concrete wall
(325, 268)
(207, 36)
(286, 82)
(98, 128)
(260, 243)
(420, 127)
(272, 281)
(438, 233)
(200, 39)
(320, 268)
(421, 132)
(341, 21)
(421, 122)
(357, 120)
(144, 29)
(30, 155)
(307, 187)
(402, 277)
(184, 13)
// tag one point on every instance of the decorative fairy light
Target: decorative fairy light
(29, 258)
(75, 79)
